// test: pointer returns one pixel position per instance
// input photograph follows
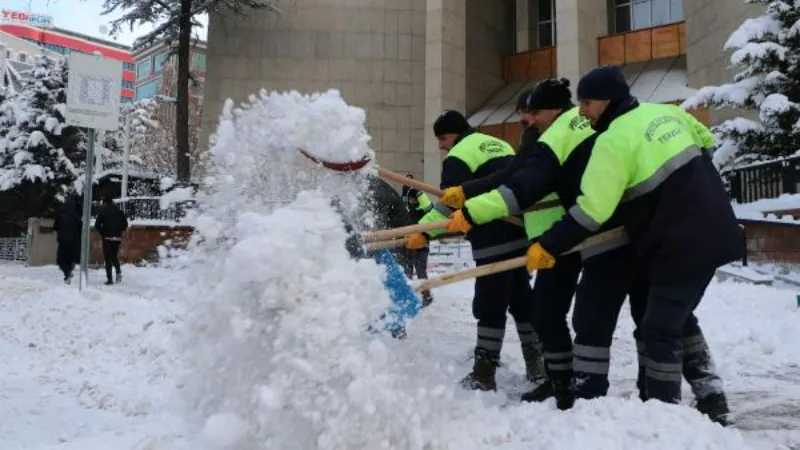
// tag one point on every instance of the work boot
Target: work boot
(427, 298)
(534, 364)
(564, 396)
(109, 282)
(715, 406)
(540, 393)
(482, 375)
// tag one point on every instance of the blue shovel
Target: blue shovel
(405, 303)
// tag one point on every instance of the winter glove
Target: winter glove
(416, 241)
(459, 222)
(539, 258)
(453, 197)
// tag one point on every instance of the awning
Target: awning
(501, 108)
(659, 81)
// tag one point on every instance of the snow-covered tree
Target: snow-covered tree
(41, 158)
(173, 22)
(766, 50)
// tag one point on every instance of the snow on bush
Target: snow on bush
(766, 50)
(277, 355)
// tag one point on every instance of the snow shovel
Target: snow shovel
(514, 263)
(405, 303)
(383, 235)
(400, 242)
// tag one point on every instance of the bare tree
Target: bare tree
(173, 22)
(153, 127)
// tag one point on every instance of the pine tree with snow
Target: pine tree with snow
(41, 158)
(766, 50)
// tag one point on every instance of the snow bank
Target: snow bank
(277, 356)
(753, 211)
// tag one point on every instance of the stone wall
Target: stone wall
(142, 242)
(709, 24)
(772, 241)
(373, 52)
(490, 37)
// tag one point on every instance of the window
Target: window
(147, 90)
(546, 23)
(126, 99)
(158, 62)
(127, 84)
(198, 62)
(637, 14)
(143, 69)
(128, 66)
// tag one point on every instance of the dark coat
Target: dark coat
(495, 234)
(111, 221)
(68, 223)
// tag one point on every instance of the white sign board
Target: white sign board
(93, 92)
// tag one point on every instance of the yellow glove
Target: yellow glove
(458, 223)
(453, 197)
(416, 241)
(538, 258)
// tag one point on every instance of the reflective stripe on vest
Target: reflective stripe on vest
(640, 150)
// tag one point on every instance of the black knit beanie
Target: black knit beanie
(603, 83)
(450, 122)
(548, 94)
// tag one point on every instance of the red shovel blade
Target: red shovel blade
(350, 166)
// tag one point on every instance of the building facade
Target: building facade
(16, 60)
(63, 42)
(404, 61)
(153, 64)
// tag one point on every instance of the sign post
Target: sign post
(93, 92)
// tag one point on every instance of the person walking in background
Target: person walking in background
(111, 223)
(416, 261)
(68, 225)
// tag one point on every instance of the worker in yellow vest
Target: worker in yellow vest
(650, 171)
(415, 262)
(472, 155)
(556, 145)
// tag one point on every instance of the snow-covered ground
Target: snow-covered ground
(101, 370)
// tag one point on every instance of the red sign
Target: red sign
(37, 20)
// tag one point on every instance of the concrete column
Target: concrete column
(523, 25)
(579, 24)
(445, 73)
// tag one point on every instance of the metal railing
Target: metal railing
(14, 249)
(149, 208)
(764, 180)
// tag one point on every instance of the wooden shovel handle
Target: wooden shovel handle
(410, 182)
(383, 235)
(391, 243)
(399, 242)
(513, 263)
(428, 189)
